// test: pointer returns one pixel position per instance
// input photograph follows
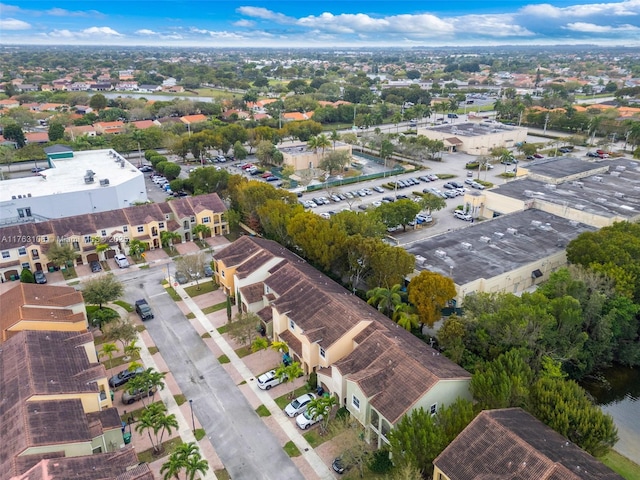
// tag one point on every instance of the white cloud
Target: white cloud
(146, 31)
(490, 25)
(61, 12)
(13, 24)
(265, 14)
(243, 23)
(593, 28)
(91, 32)
(545, 10)
(218, 34)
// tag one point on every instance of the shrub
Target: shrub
(380, 461)
(313, 381)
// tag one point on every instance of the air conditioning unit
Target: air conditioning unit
(104, 182)
(88, 179)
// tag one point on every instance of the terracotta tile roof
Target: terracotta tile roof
(189, 119)
(253, 263)
(142, 124)
(266, 314)
(252, 293)
(119, 465)
(143, 214)
(30, 301)
(207, 202)
(294, 344)
(36, 137)
(510, 443)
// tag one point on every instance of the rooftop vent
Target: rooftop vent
(621, 168)
(615, 174)
(420, 260)
(498, 234)
(88, 179)
(579, 206)
(466, 245)
(574, 223)
(618, 195)
(597, 179)
(104, 182)
(90, 172)
(528, 193)
(536, 223)
(512, 231)
(440, 254)
(550, 186)
(121, 163)
(484, 239)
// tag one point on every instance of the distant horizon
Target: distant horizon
(356, 24)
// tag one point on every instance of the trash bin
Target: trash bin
(52, 269)
(127, 438)
(112, 394)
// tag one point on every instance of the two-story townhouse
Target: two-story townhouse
(28, 306)
(358, 353)
(25, 245)
(390, 373)
(106, 128)
(56, 401)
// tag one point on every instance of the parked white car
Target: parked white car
(305, 420)
(268, 380)
(299, 405)
(121, 260)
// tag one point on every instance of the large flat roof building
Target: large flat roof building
(74, 183)
(475, 138)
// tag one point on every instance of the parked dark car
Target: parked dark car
(39, 277)
(124, 376)
(208, 271)
(338, 466)
(146, 168)
(130, 396)
(95, 266)
(181, 278)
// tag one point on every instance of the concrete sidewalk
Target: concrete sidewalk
(308, 453)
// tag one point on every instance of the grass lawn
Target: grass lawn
(168, 448)
(205, 335)
(284, 400)
(291, 449)
(69, 273)
(153, 350)
(223, 329)
(243, 351)
(622, 465)
(203, 287)
(119, 361)
(173, 294)
(190, 316)
(222, 474)
(127, 306)
(180, 399)
(223, 359)
(172, 252)
(214, 308)
(199, 434)
(134, 414)
(263, 411)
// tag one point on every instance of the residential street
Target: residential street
(241, 439)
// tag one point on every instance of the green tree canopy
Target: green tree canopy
(430, 292)
(396, 213)
(101, 290)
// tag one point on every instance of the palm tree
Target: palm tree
(396, 118)
(137, 136)
(185, 457)
(385, 299)
(131, 350)
(288, 374)
(453, 105)
(149, 380)
(335, 137)
(108, 349)
(322, 142)
(154, 419)
(312, 144)
(167, 238)
(201, 230)
(405, 316)
(321, 407)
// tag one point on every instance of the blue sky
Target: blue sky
(305, 23)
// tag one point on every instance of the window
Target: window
(45, 239)
(22, 251)
(292, 324)
(5, 254)
(125, 229)
(26, 265)
(166, 216)
(103, 233)
(206, 219)
(160, 224)
(193, 219)
(21, 212)
(87, 239)
(140, 229)
(355, 401)
(222, 273)
(323, 354)
(76, 245)
(27, 212)
(433, 408)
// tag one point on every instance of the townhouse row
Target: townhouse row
(26, 245)
(57, 419)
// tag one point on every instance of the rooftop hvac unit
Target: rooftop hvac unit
(621, 168)
(90, 173)
(88, 179)
(104, 182)
(440, 254)
(498, 234)
(121, 163)
(597, 179)
(512, 231)
(618, 195)
(536, 223)
(550, 186)
(466, 245)
(484, 239)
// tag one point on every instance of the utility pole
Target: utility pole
(546, 120)
(626, 139)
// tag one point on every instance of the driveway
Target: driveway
(243, 442)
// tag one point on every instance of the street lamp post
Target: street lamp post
(193, 422)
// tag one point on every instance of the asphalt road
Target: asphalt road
(245, 445)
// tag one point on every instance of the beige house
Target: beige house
(359, 355)
(511, 443)
(300, 157)
(475, 138)
(28, 306)
(25, 245)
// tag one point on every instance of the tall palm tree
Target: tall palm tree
(385, 299)
(195, 463)
(154, 419)
(172, 467)
(396, 118)
(404, 315)
(335, 137)
(322, 142)
(312, 144)
(108, 349)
